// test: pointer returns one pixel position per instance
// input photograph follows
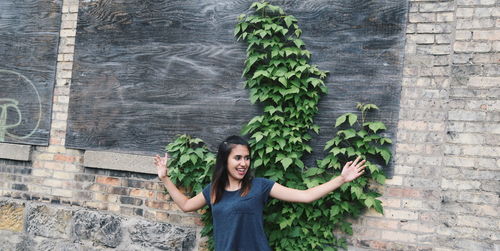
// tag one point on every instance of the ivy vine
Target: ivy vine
(279, 77)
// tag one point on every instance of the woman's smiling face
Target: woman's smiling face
(238, 162)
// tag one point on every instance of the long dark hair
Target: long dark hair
(220, 176)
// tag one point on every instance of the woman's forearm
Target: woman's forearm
(319, 191)
(179, 198)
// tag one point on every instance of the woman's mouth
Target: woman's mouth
(241, 171)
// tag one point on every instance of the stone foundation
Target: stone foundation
(41, 226)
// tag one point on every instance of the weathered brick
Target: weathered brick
(475, 23)
(419, 182)
(463, 35)
(461, 46)
(486, 35)
(460, 184)
(40, 172)
(465, 12)
(398, 236)
(434, 28)
(62, 193)
(436, 7)
(381, 223)
(466, 138)
(479, 222)
(465, 115)
(443, 39)
(445, 17)
(108, 180)
(481, 150)
(483, 12)
(421, 38)
(137, 192)
(418, 227)
(422, 17)
(63, 175)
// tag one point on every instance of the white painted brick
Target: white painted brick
(443, 38)
(486, 35)
(481, 150)
(484, 82)
(434, 28)
(422, 17)
(457, 161)
(460, 184)
(465, 12)
(445, 17)
(436, 7)
(460, 46)
(483, 12)
(466, 138)
(466, 115)
(475, 23)
(463, 35)
(479, 222)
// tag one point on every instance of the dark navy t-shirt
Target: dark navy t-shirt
(238, 221)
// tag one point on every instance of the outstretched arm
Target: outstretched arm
(351, 171)
(183, 202)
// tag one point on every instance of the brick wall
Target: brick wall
(444, 194)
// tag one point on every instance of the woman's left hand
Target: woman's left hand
(353, 169)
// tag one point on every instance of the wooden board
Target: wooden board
(29, 35)
(146, 71)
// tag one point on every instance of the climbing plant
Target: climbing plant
(280, 78)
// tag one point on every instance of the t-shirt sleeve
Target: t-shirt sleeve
(266, 186)
(206, 194)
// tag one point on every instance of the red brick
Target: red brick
(137, 192)
(108, 180)
(65, 158)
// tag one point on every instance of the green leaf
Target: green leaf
(298, 42)
(335, 210)
(369, 202)
(286, 162)
(356, 190)
(386, 155)
(340, 120)
(281, 142)
(380, 178)
(352, 118)
(194, 158)
(288, 21)
(313, 171)
(349, 133)
(184, 158)
(375, 126)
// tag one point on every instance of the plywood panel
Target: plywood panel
(29, 35)
(146, 71)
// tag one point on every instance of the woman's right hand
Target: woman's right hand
(161, 166)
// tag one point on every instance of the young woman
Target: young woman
(237, 199)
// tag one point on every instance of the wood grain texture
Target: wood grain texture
(29, 35)
(146, 71)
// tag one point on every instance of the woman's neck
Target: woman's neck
(233, 185)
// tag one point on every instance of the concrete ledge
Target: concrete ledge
(15, 152)
(119, 161)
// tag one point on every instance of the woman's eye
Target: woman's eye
(247, 158)
(237, 157)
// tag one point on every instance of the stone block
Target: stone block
(15, 152)
(42, 220)
(162, 236)
(97, 228)
(119, 161)
(11, 216)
